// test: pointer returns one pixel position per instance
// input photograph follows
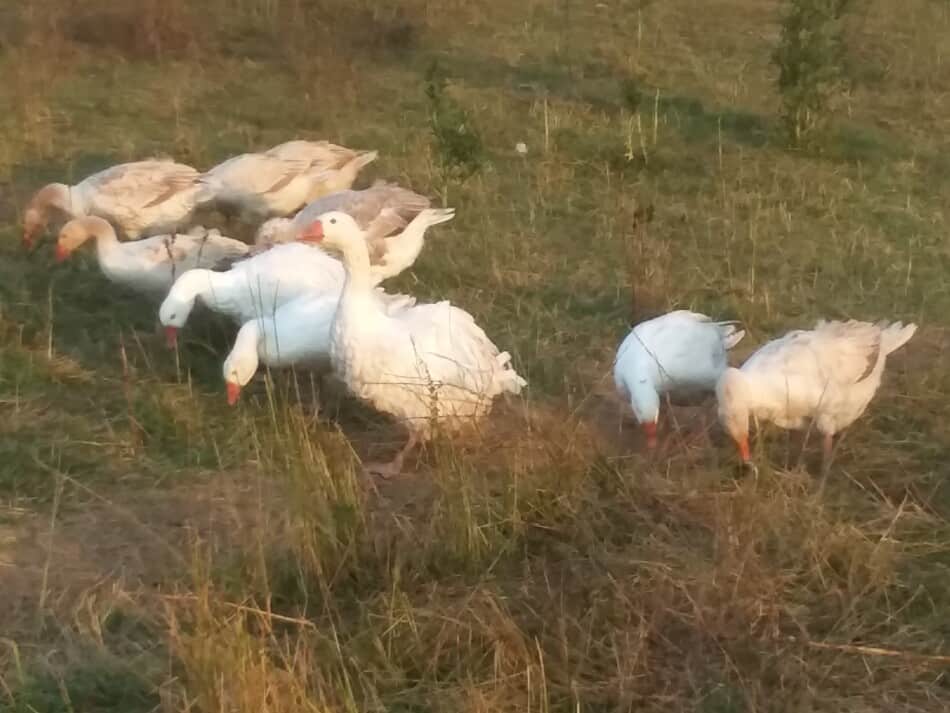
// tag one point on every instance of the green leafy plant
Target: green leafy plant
(810, 59)
(457, 142)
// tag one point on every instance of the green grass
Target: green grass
(165, 552)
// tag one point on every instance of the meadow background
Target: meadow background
(162, 552)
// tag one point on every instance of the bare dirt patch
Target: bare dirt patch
(130, 540)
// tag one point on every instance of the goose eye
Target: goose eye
(332, 221)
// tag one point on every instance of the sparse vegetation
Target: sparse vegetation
(162, 552)
(458, 145)
(811, 60)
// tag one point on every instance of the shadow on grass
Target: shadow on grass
(605, 89)
(600, 88)
(104, 686)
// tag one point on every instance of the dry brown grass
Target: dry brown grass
(165, 553)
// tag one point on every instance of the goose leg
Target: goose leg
(826, 450)
(393, 467)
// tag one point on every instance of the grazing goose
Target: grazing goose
(379, 210)
(279, 183)
(826, 376)
(680, 353)
(253, 287)
(260, 284)
(141, 198)
(149, 265)
(424, 364)
(296, 334)
(317, 153)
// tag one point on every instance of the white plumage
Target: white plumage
(379, 210)
(680, 353)
(279, 181)
(827, 375)
(317, 153)
(152, 264)
(253, 287)
(296, 334)
(258, 285)
(142, 198)
(426, 364)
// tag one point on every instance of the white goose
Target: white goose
(827, 376)
(141, 198)
(681, 353)
(340, 164)
(268, 184)
(260, 284)
(321, 153)
(424, 364)
(296, 334)
(379, 210)
(251, 288)
(150, 265)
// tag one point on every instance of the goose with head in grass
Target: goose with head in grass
(257, 286)
(426, 365)
(149, 265)
(824, 376)
(679, 354)
(297, 334)
(141, 198)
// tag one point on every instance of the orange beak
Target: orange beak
(62, 253)
(650, 430)
(171, 337)
(312, 233)
(234, 393)
(743, 445)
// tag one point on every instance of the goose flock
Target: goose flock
(308, 294)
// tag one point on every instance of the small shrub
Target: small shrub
(810, 59)
(458, 144)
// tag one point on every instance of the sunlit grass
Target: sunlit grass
(165, 552)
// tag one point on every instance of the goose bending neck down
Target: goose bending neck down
(425, 365)
(253, 287)
(149, 265)
(259, 284)
(54, 197)
(826, 376)
(79, 230)
(295, 334)
(679, 354)
(141, 198)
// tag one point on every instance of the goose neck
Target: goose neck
(359, 276)
(106, 240)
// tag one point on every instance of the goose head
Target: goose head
(334, 230)
(50, 198)
(241, 364)
(78, 231)
(645, 402)
(734, 402)
(177, 305)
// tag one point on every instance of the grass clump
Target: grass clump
(458, 144)
(94, 687)
(810, 60)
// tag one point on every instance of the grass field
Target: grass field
(162, 552)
